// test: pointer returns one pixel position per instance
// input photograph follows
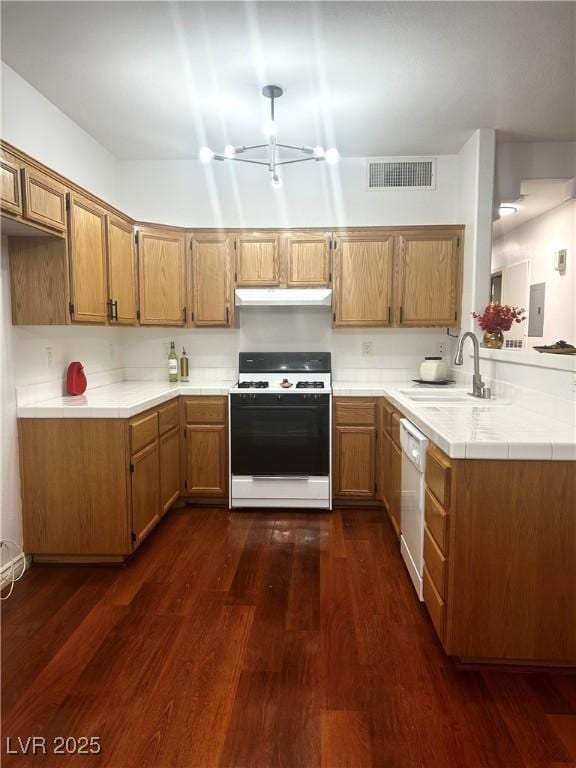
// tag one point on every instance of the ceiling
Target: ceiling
(158, 80)
(537, 197)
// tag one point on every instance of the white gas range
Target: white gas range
(280, 436)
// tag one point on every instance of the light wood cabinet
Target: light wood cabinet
(204, 450)
(169, 468)
(428, 279)
(396, 487)
(87, 254)
(44, 199)
(212, 299)
(305, 257)
(145, 471)
(257, 260)
(39, 280)
(122, 273)
(162, 277)
(363, 272)
(10, 189)
(354, 460)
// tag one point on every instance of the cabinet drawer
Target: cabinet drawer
(435, 605)
(205, 410)
(438, 475)
(436, 521)
(395, 427)
(355, 411)
(436, 563)
(168, 416)
(143, 431)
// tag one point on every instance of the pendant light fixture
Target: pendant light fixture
(270, 130)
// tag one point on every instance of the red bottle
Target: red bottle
(75, 379)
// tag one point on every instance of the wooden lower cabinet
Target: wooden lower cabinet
(145, 471)
(354, 463)
(169, 468)
(396, 487)
(204, 459)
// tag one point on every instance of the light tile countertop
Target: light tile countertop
(477, 430)
(480, 431)
(118, 401)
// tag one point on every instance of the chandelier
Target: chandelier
(270, 130)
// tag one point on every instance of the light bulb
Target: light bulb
(205, 154)
(318, 151)
(276, 182)
(332, 156)
(229, 151)
(269, 128)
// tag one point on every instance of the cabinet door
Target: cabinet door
(306, 259)
(257, 261)
(205, 460)
(162, 277)
(429, 281)
(363, 280)
(44, 199)
(10, 192)
(385, 470)
(211, 283)
(396, 486)
(122, 304)
(87, 250)
(145, 470)
(355, 462)
(169, 468)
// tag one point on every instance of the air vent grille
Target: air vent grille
(401, 173)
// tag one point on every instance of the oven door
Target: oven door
(280, 435)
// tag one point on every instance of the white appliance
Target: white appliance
(283, 297)
(280, 436)
(414, 445)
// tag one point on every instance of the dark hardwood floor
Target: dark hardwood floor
(262, 639)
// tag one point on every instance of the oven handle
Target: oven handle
(302, 478)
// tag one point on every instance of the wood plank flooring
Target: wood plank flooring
(260, 640)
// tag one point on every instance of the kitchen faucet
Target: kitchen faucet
(477, 383)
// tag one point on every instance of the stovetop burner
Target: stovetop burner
(253, 385)
(310, 385)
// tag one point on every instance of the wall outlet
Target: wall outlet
(367, 348)
(441, 348)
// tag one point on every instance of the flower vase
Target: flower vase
(493, 339)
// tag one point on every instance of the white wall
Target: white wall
(535, 242)
(35, 125)
(226, 194)
(517, 162)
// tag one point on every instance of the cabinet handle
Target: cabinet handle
(110, 304)
(401, 313)
(227, 315)
(184, 313)
(389, 314)
(116, 310)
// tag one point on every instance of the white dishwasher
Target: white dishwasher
(414, 445)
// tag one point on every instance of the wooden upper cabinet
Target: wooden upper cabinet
(306, 259)
(162, 277)
(122, 286)
(212, 280)
(257, 260)
(44, 199)
(363, 270)
(10, 191)
(87, 251)
(429, 279)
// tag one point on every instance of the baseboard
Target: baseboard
(6, 569)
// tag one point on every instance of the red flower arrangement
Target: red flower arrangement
(499, 317)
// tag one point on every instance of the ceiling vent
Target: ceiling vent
(401, 173)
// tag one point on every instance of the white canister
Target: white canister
(433, 369)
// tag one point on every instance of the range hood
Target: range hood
(283, 297)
